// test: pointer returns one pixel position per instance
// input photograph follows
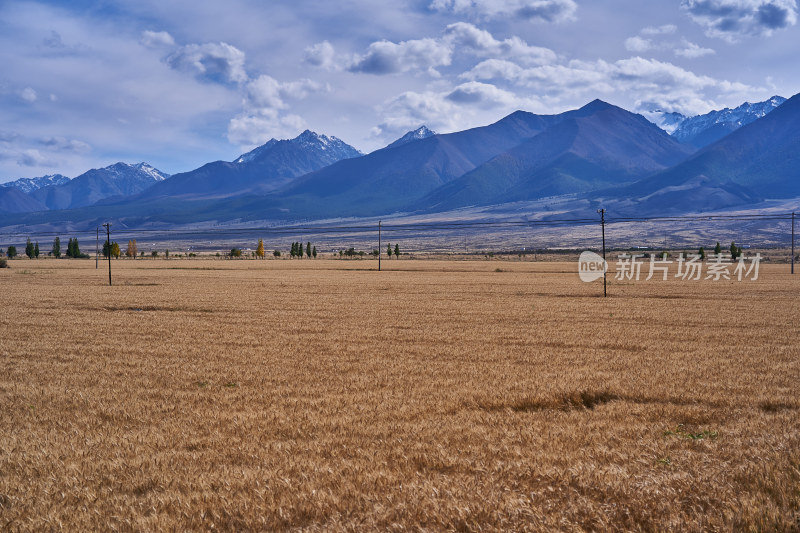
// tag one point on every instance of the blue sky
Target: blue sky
(178, 84)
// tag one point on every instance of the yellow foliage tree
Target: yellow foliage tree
(131, 251)
(115, 252)
(260, 249)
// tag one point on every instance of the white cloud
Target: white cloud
(494, 69)
(267, 92)
(463, 35)
(155, 39)
(448, 110)
(733, 19)
(666, 29)
(28, 94)
(535, 10)
(264, 113)
(638, 44)
(482, 94)
(385, 57)
(250, 131)
(34, 158)
(219, 62)
(691, 50)
(639, 79)
(321, 55)
(66, 145)
(683, 48)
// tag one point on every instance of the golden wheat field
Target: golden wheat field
(435, 395)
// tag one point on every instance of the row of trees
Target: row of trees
(297, 250)
(32, 249)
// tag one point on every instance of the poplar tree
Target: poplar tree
(29, 248)
(57, 247)
(389, 250)
(308, 249)
(36, 250)
(397, 251)
(260, 249)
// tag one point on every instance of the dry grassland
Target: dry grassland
(321, 395)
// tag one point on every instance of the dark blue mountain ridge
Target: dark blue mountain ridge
(262, 170)
(396, 177)
(760, 160)
(596, 146)
(117, 180)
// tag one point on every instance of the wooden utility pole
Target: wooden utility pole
(108, 241)
(96, 246)
(792, 242)
(605, 264)
(379, 246)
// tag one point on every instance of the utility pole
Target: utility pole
(792, 242)
(379, 246)
(96, 246)
(605, 265)
(108, 241)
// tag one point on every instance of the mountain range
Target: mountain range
(600, 152)
(702, 130)
(28, 185)
(117, 180)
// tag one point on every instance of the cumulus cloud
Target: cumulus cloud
(156, 39)
(482, 94)
(447, 110)
(267, 92)
(385, 57)
(264, 113)
(655, 40)
(642, 79)
(321, 55)
(34, 158)
(493, 69)
(638, 44)
(66, 145)
(691, 50)
(462, 35)
(534, 10)
(28, 94)
(253, 130)
(733, 19)
(219, 62)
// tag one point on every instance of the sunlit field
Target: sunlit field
(457, 395)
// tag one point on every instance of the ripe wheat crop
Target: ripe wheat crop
(323, 395)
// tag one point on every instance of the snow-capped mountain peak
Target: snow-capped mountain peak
(668, 121)
(415, 135)
(255, 153)
(28, 185)
(150, 170)
(704, 129)
(309, 140)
